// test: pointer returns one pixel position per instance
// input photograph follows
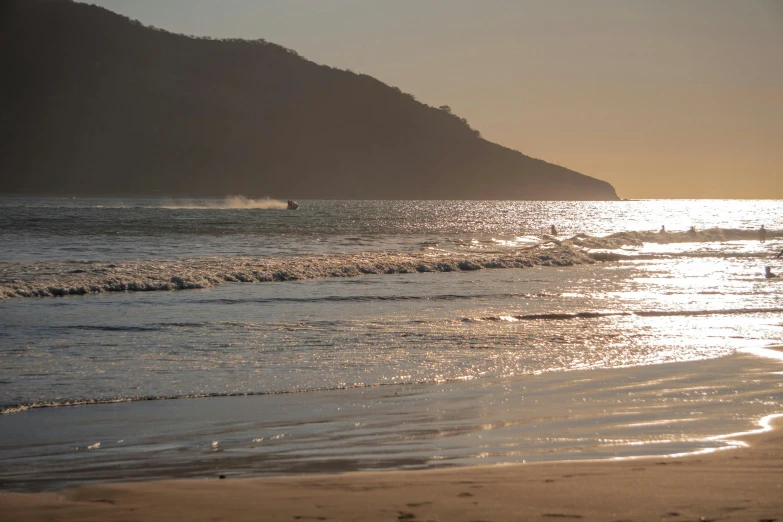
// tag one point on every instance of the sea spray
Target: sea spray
(228, 203)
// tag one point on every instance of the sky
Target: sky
(661, 98)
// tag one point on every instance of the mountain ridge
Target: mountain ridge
(97, 103)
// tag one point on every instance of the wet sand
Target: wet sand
(737, 484)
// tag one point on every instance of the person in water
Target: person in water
(662, 230)
(692, 230)
(768, 272)
(762, 234)
(553, 230)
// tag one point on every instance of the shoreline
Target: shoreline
(772, 351)
(387, 429)
(743, 484)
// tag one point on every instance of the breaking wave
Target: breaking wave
(60, 278)
(638, 238)
(69, 277)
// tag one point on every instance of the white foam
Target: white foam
(770, 352)
(59, 278)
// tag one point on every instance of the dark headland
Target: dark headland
(95, 103)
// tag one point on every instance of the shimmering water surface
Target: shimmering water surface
(377, 335)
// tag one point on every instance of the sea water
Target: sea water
(145, 338)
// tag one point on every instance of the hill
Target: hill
(96, 103)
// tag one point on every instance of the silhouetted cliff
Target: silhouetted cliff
(95, 103)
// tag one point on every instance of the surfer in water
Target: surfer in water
(768, 272)
(553, 230)
(762, 234)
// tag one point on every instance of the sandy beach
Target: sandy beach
(738, 484)
(440, 261)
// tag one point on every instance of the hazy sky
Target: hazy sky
(661, 98)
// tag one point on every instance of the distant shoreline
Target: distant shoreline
(283, 198)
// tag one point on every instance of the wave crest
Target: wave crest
(60, 278)
(638, 238)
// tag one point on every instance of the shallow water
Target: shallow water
(436, 356)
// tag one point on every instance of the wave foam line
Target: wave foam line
(618, 256)
(60, 278)
(7, 409)
(558, 316)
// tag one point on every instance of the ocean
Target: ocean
(151, 338)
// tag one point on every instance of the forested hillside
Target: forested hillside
(95, 103)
